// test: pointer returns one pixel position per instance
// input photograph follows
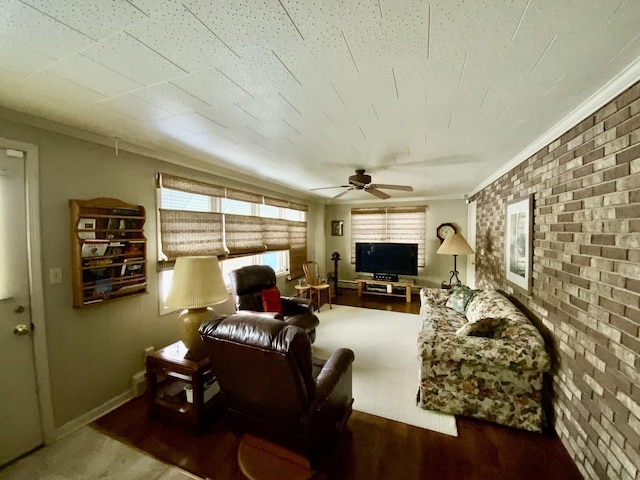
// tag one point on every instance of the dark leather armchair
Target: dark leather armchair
(247, 284)
(274, 388)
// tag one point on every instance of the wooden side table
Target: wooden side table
(303, 290)
(179, 390)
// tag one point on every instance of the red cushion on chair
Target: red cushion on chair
(271, 300)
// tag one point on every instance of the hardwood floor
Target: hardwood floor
(370, 448)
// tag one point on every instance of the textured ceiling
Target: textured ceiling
(433, 94)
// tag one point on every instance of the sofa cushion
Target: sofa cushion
(490, 304)
(271, 301)
(435, 297)
(485, 327)
(460, 297)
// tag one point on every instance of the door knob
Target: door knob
(21, 329)
(19, 309)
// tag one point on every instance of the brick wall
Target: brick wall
(586, 278)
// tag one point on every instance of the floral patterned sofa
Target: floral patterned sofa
(480, 357)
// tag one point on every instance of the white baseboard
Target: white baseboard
(92, 415)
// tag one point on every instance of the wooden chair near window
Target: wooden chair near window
(314, 281)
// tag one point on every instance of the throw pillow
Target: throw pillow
(482, 328)
(271, 301)
(460, 297)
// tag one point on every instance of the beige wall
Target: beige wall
(94, 352)
(437, 267)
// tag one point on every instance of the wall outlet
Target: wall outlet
(139, 383)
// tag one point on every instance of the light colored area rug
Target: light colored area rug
(385, 371)
(87, 454)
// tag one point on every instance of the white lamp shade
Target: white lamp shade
(455, 244)
(197, 283)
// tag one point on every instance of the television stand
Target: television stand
(384, 287)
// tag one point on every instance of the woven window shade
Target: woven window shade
(205, 233)
(390, 224)
(298, 248)
(407, 226)
(275, 233)
(298, 206)
(186, 233)
(187, 185)
(243, 234)
(243, 196)
(276, 202)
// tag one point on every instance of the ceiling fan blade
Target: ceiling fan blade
(372, 190)
(326, 188)
(406, 188)
(343, 193)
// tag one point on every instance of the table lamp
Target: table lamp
(455, 245)
(197, 283)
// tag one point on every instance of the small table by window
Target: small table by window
(181, 391)
(303, 290)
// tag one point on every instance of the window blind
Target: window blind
(243, 234)
(275, 233)
(235, 232)
(389, 224)
(298, 248)
(185, 233)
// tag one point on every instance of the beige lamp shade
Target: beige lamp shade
(197, 283)
(455, 244)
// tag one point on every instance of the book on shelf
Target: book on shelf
(115, 248)
(103, 287)
(97, 262)
(85, 224)
(100, 272)
(127, 212)
(94, 248)
(134, 248)
(132, 266)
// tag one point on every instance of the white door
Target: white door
(20, 423)
(471, 239)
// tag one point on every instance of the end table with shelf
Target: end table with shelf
(177, 388)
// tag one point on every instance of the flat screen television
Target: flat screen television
(387, 260)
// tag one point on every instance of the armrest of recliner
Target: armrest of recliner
(337, 368)
(295, 305)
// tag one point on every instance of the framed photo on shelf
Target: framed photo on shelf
(519, 242)
(337, 228)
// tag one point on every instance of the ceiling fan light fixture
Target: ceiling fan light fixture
(362, 181)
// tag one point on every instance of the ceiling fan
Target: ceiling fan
(362, 181)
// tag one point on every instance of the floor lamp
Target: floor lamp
(197, 283)
(455, 245)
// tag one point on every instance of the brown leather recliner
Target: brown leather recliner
(247, 284)
(274, 388)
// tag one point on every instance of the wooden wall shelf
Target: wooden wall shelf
(108, 251)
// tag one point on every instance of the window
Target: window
(241, 228)
(390, 224)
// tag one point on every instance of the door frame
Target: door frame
(472, 209)
(36, 292)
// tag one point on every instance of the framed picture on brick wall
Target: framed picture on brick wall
(518, 242)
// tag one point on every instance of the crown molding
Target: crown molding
(614, 87)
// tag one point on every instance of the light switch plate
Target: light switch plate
(55, 276)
